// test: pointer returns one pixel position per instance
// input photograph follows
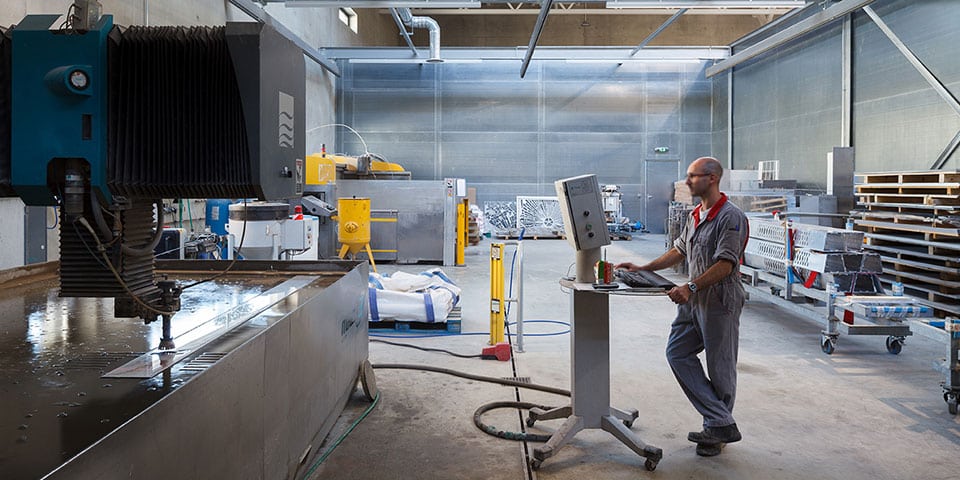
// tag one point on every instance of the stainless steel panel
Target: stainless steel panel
(613, 162)
(695, 145)
(489, 107)
(502, 72)
(594, 106)
(388, 110)
(250, 414)
(663, 105)
(696, 104)
(570, 118)
(490, 156)
(421, 207)
(394, 76)
(579, 72)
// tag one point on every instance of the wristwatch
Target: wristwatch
(692, 286)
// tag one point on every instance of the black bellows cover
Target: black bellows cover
(176, 127)
(6, 72)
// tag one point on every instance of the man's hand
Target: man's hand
(679, 294)
(629, 267)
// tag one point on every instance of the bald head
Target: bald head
(708, 165)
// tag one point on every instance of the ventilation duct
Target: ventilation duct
(428, 23)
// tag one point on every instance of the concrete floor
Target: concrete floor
(860, 413)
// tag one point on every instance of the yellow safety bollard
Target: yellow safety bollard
(497, 292)
(463, 225)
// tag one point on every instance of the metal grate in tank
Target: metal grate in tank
(203, 362)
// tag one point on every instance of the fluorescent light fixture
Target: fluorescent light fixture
(636, 60)
(411, 60)
(741, 4)
(384, 3)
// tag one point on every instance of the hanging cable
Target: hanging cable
(232, 262)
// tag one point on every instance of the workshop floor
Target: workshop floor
(860, 413)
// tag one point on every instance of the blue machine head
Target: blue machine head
(59, 111)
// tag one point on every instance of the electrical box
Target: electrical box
(297, 235)
(582, 211)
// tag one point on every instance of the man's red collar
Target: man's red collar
(714, 210)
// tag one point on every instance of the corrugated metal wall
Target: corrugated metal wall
(900, 123)
(787, 104)
(509, 136)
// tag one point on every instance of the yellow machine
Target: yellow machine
(353, 231)
(322, 167)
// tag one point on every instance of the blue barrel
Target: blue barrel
(218, 215)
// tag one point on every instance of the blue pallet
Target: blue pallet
(450, 327)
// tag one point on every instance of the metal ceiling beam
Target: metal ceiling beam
(774, 24)
(403, 31)
(254, 10)
(435, 12)
(659, 29)
(658, 4)
(543, 53)
(927, 75)
(917, 64)
(788, 34)
(535, 36)
(705, 3)
(946, 153)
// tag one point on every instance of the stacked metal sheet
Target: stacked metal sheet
(813, 237)
(816, 249)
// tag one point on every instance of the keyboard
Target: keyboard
(643, 279)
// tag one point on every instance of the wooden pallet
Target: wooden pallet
(931, 176)
(911, 221)
(451, 327)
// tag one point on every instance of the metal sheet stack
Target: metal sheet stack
(819, 249)
(912, 220)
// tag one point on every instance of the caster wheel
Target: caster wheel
(951, 399)
(535, 464)
(650, 465)
(828, 345)
(628, 423)
(531, 421)
(894, 344)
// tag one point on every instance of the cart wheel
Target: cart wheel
(535, 464)
(894, 344)
(951, 399)
(628, 423)
(531, 421)
(828, 345)
(650, 465)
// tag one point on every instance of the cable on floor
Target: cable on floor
(518, 436)
(477, 420)
(425, 349)
(436, 335)
(342, 437)
(471, 376)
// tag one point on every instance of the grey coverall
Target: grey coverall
(710, 321)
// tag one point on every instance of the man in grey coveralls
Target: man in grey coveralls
(708, 311)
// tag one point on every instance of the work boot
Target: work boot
(716, 435)
(709, 450)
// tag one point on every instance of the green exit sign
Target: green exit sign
(661, 149)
